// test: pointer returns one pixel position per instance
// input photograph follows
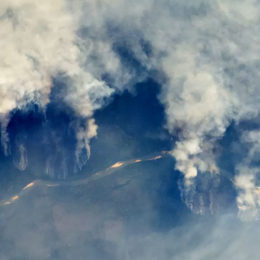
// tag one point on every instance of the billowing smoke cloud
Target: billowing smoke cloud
(207, 54)
(212, 71)
(202, 53)
(210, 82)
(40, 43)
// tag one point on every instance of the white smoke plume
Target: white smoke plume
(247, 178)
(210, 82)
(207, 52)
(213, 81)
(40, 42)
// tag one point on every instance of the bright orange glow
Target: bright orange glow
(156, 158)
(8, 202)
(137, 161)
(116, 165)
(29, 186)
(16, 197)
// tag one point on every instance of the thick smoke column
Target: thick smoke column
(213, 82)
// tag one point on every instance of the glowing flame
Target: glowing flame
(99, 174)
(116, 165)
(8, 202)
(14, 198)
(29, 186)
(257, 190)
(243, 207)
(156, 158)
